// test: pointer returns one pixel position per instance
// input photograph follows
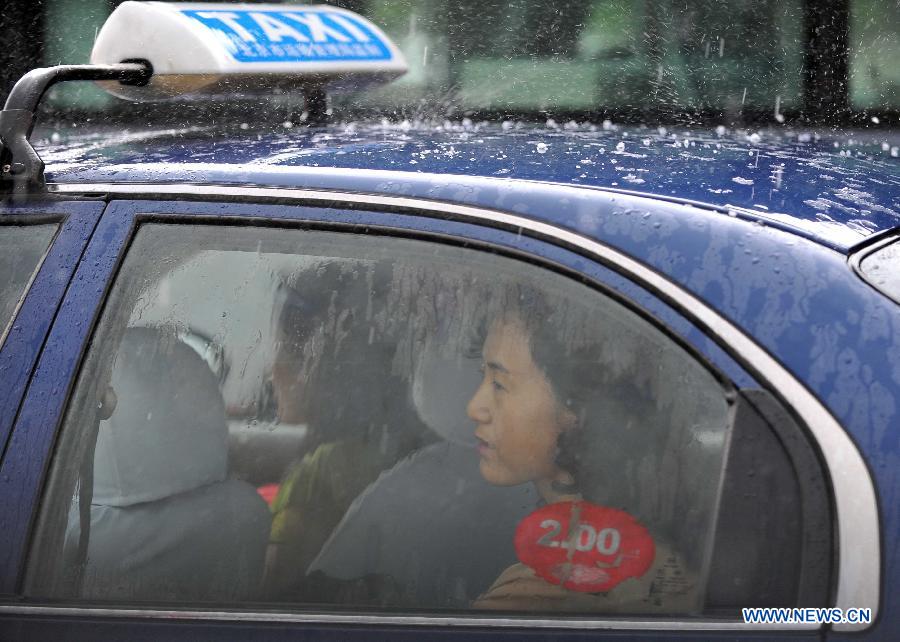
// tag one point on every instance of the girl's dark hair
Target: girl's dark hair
(351, 388)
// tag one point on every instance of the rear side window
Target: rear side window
(22, 248)
(881, 267)
(351, 421)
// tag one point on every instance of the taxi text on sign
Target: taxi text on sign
(292, 36)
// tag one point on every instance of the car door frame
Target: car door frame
(31, 320)
(853, 488)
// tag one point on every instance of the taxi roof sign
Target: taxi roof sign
(228, 48)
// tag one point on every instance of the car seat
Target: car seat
(431, 524)
(166, 522)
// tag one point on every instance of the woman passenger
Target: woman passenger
(552, 415)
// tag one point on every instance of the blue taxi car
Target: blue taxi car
(439, 381)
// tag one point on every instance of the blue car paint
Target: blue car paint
(22, 469)
(839, 189)
(35, 428)
(801, 301)
(19, 351)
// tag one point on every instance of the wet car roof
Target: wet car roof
(837, 189)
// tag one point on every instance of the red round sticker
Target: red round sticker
(583, 546)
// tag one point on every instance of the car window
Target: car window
(22, 247)
(881, 268)
(305, 417)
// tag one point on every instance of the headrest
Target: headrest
(444, 381)
(167, 434)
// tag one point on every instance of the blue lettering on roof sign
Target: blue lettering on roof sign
(292, 36)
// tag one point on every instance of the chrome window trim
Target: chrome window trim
(395, 620)
(857, 257)
(859, 558)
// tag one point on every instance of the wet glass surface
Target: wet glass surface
(388, 399)
(882, 269)
(22, 248)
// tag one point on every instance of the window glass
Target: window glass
(22, 248)
(309, 417)
(881, 268)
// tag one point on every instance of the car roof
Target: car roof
(835, 188)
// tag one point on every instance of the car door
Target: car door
(350, 336)
(42, 242)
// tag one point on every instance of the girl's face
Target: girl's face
(518, 417)
(289, 389)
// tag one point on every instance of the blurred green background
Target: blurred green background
(532, 55)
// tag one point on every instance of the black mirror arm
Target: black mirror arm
(21, 168)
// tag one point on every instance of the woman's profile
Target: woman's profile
(551, 414)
